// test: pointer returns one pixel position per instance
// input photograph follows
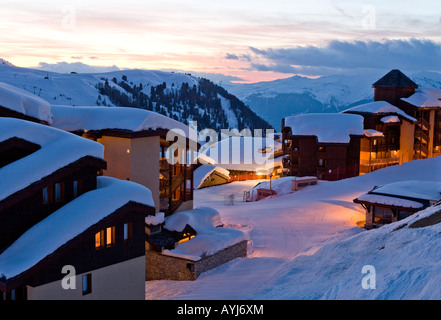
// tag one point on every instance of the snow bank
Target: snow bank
(203, 172)
(69, 221)
(406, 262)
(380, 107)
(25, 103)
(58, 149)
(158, 218)
(209, 239)
(327, 127)
(120, 118)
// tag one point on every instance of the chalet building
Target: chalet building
(388, 135)
(403, 123)
(396, 201)
(397, 89)
(247, 158)
(67, 233)
(209, 175)
(326, 146)
(137, 147)
(190, 243)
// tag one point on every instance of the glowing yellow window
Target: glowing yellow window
(110, 236)
(99, 239)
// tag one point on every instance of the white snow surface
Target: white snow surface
(380, 107)
(390, 201)
(373, 133)
(121, 118)
(210, 236)
(327, 127)
(417, 189)
(204, 171)
(307, 245)
(58, 149)
(24, 102)
(423, 100)
(390, 119)
(69, 221)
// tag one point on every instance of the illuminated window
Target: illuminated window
(128, 231)
(87, 283)
(99, 239)
(110, 236)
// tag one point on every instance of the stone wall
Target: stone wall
(163, 267)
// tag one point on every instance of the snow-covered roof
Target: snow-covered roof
(390, 201)
(379, 107)
(327, 127)
(244, 153)
(118, 118)
(434, 92)
(69, 221)
(204, 171)
(416, 189)
(209, 239)
(58, 149)
(423, 100)
(390, 119)
(373, 133)
(24, 102)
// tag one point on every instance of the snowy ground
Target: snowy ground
(305, 245)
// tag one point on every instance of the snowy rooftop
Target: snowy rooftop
(379, 107)
(373, 133)
(416, 189)
(423, 100)
(120, 118)
(204, 171)
(327, 127)
(434, 92)
(69, 221)
(58, 149)
(24, 102)
(209, 239)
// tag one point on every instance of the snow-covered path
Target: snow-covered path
(281, 229)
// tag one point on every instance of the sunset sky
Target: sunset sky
(246, 40)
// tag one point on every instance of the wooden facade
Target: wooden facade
(140, 156)
(82, 253)
(395, 88)
(305, 156)
(27, 207)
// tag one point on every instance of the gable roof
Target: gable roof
(94, 118)
(379, 107)
(58, 150)
(327, 127)
(395, 79)
(70, 221)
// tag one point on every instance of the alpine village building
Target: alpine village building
(400, 125)
(83, 205)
